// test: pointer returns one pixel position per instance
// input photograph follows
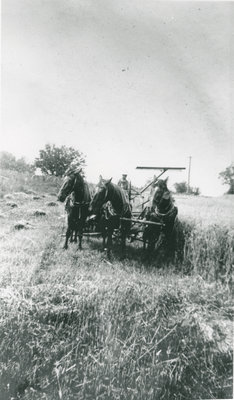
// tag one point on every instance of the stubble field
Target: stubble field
(76, 326)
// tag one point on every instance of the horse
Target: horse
(75, 191)
(164, 212)
(110, 204)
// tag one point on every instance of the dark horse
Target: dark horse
(75, 191)
(164, 212)
(110, 204)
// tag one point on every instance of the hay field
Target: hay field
(75, 326)
(207, 210)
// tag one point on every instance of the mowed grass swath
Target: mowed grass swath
(75, 326)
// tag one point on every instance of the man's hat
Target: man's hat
(73, 169)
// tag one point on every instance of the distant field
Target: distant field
(75, 326)
(207, 210)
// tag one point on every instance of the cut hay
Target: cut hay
(39, 213)
(29, 191)
(12, 204)
(22, 225)
(52, 204)
(21, 195)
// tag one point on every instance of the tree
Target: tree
(23, 166)
(227, 177)
(8, 161)
(195, 191)
(55, 160)
(181, 187)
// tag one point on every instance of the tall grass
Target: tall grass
(206, 251)
(125, 341)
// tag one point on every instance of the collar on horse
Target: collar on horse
(171, 208)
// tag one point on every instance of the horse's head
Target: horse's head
(66, 188)
(101, 195)
(72, 182)
(162, 196)
(161, 184)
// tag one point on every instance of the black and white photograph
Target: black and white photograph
(116, 200)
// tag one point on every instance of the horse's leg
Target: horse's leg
(123, 244)
(80, 240)
(109, 241)
(170, 241)
(160, 249)
(144, 243)
(104, 236)
(80, 229)
(148, 241)
(145, 238)
(75, 236)
(71, 237)
(153, 237)
(124, 229)
(103, 229)
(80, 234)
(113, 222)
(71, 227)
(150, 248)
(68, 234)
(76, 227)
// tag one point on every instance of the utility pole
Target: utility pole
(189, 170)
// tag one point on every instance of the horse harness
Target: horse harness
(125, 209)
(171, 210)
(79, 204)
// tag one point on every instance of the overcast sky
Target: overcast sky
(127, 82)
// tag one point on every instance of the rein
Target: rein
(73, 187)
(106, 194)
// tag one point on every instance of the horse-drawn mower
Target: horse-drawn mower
(149, 218)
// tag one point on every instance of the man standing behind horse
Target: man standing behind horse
(124, 184)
